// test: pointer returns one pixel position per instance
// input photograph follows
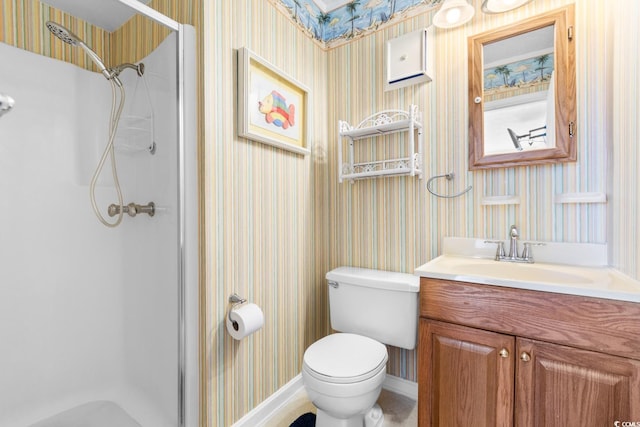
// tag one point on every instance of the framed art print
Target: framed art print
(273, 108)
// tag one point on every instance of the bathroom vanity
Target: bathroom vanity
(500, 352)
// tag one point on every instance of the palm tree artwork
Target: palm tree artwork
(351, 8)
(295, 14)
(323, 19)
(541, 60)
(505, 71)
(349, 18)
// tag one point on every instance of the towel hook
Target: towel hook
(449, 177)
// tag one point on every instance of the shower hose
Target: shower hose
(110, 152)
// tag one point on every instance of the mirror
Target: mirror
(522, 93)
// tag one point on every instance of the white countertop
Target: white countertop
(592, 280)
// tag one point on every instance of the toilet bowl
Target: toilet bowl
(343, 374)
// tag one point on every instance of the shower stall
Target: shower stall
(99, 325)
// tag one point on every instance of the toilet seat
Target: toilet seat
(344, 358)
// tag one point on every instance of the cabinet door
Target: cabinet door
(564, 386)
(465, 376)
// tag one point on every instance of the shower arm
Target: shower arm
(68, 37)
(115, 71)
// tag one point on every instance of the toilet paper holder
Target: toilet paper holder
(234, 300)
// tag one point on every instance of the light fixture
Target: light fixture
(453, 13)
(499, 6)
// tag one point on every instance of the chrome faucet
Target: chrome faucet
(527, 255)
(513, 246)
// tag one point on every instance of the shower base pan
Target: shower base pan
(101, 413)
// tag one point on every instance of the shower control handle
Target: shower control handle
(133, 209)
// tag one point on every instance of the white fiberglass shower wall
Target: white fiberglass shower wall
(98, 326)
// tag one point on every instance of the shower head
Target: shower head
(63, 33)
(68, 37)
(515, 139)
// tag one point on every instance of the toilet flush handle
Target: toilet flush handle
(333, 284)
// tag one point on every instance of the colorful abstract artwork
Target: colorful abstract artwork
(276, 111)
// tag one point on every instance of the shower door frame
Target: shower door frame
(188, 335)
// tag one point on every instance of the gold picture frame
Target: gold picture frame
(273, 107)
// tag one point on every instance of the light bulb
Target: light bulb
(500, 6)
(453, 15)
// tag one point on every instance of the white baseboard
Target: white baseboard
(401, 386)
(271, 404)
(287, 392)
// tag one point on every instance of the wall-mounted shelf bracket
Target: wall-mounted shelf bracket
(379, 124)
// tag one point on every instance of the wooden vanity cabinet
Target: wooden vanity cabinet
(492, 356)
(463, 380)
(564, 386)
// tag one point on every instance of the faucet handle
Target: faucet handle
(527, 255)
(499, 250)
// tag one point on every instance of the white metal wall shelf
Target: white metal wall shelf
(379, 124)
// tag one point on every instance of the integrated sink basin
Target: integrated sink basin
(599, 281)
(551, 274)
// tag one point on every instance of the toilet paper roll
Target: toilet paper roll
(244, 321)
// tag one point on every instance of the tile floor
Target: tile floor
(399, 410)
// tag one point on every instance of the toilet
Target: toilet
(343, 373)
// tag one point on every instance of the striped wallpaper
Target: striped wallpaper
(267, 225)
(388, 223)
(23, 27)
(393, 223)
(274, 222)
(623, 115)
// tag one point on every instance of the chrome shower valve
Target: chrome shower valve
(133, 209)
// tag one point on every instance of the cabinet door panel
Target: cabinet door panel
(564, 386)
(465, 376)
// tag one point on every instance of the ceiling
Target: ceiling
(520, 46)
(106, 14)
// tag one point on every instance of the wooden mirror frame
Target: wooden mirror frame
(565, 92)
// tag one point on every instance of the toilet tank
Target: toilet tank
(378, 304)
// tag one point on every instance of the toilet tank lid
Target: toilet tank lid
(380, 279)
